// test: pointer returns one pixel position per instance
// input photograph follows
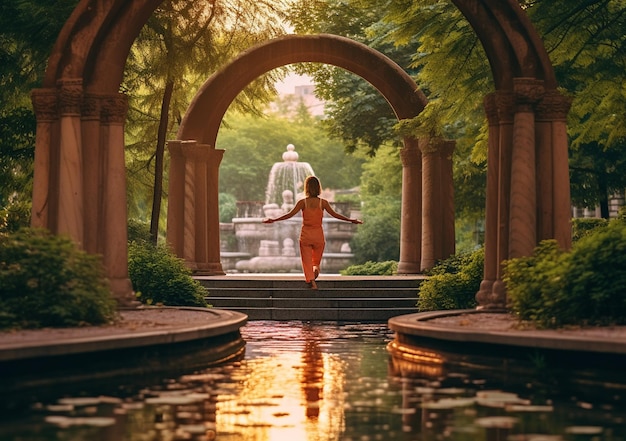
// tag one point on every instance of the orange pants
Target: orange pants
(311, 249)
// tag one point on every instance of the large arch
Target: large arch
(79, 185)
(218, 92)
(195, 162)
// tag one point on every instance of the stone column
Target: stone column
(505, 106)
(70, 208)
(115, 237)
(214, 264)
(411, 218)
(196, 159)
(176, 198)
(431, 203)
(92, 173)
(491, 204)
(47, 114)
(552, 141)
(523, 215)
(189, 208)
(448, 239)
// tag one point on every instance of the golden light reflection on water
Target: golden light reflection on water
(287, 396)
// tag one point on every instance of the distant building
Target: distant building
(301, 94)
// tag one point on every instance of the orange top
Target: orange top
(311, 214)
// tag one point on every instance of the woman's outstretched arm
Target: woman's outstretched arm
(292, 213)
(326, 206)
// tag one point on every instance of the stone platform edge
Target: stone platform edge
(65, 341)
(608, 340)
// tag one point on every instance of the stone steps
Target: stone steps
(339, 298)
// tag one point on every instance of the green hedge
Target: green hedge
(582, 287)
(453, 283)
(159, 277)
(46, 281)
(387, 268)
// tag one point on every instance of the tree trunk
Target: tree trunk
(604, 195)
(158, 162)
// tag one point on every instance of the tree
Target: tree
(587, 45)
(182, 43)
(253, 144)
(28, 30)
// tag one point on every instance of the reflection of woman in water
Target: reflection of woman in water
(312, 234)
(312, 373)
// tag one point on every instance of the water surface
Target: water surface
(328, 381)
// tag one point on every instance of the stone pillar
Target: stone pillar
(193, 208)
(448, 239)
(491, 204)
(176, 198)
(70, 206)
(505, 106)
(432, 228)
(411, 218)
(47, 114)
(554, 199)
(93, 164)
(189, 208)
(214, 264)
(523, 215)
(115, 237)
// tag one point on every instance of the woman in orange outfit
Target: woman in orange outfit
(312, 240)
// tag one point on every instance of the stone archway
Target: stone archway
(194, 167)
(79, 187)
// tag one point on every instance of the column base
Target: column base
(208, 269)
(122, 291)
(409, 268)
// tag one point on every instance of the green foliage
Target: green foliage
(17, 152)
(159, 277)
(378, 239)
(583, 287)
(45, 281)
(453, 283)
(14, 216)
(388, 268)
(228, 207)
(138, 231)
(252, 146)
(583, 226)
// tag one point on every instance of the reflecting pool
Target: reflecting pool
(328, 381)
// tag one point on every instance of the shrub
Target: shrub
(453, 283)
(581, 227)
(138, 231)
(582, 287)
(46, 281)
(369, 268)
(159, 277)
(15, 215)
(533, 283)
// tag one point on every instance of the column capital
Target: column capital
(553, 106)
(91, 106)
(490, 103)
(114, 108)
(70, 96)
(528, 92)
(430, 146)
(505, 105)
(45, 104)
(410, 156)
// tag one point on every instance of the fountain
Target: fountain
(250, 246)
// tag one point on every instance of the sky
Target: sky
(291, 81)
